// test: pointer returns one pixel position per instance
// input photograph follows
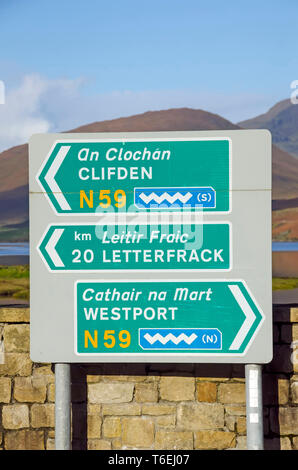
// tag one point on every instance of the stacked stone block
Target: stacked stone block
(146, 406)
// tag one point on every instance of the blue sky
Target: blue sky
(86, 60)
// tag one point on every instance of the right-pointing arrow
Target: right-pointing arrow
(51, 247)
(249, 317)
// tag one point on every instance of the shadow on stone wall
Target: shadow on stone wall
(276, 379)
(84, 374)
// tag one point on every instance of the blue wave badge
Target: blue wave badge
(173, 198)
(180, 338)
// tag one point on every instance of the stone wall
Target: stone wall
(153, 406)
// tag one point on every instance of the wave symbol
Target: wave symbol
(170, 337)
(165, 197)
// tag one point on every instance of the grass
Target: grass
(281, 283)
(14, 234)
(14, 282)
(14, 272)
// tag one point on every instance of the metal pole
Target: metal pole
(62, 407)
(254, 407)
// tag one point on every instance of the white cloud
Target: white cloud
(40, 105)
(25, 111)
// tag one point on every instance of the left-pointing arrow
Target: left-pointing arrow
(50, 178)
(51, 247)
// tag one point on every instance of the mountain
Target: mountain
(13, 168)
(182, 119)
(14, 162)
(281, 120)
(284, 176)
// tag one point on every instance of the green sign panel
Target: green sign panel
(210, 317)
(138, 175)
(95, 247)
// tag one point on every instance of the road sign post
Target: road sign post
(152, 247)
(62, 407)
(254, 407)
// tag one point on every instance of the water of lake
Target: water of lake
(285, 246)
(14, 249)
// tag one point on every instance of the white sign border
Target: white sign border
(209, 222)
(151, 357)
(151, 139)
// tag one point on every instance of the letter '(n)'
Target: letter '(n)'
(93, 340)
(84, 197)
